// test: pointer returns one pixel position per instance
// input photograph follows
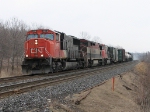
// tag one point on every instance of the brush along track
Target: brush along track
(25, 77)
(4, 81)
(36, 76)
(28, 86)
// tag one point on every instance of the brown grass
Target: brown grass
(10, 73)
(6, 69)
(103, 99)
(143, 86)
(141, 68)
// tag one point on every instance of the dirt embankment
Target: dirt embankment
(103, 99)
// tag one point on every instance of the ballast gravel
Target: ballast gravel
(38, 101)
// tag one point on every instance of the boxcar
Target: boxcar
(121, 55)
(112, 54)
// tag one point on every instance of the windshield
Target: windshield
(48, 36)
(32, 36)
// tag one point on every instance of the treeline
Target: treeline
(12, 37)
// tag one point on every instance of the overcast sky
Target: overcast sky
(123, 23)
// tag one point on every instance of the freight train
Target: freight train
(52, 51)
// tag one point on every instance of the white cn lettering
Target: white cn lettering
(33, 50)
(40, 49)
(36, 50)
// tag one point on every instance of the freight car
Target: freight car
(113, 52)
(52, 51)
(121, 55)
(128, 56)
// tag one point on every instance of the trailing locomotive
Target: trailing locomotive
(52, 51)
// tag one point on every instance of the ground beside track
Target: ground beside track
(40, 100)
(102, 98)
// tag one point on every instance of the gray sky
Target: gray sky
(123, 23)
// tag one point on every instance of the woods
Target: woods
(12, 37)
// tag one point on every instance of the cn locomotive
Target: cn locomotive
(52, 51)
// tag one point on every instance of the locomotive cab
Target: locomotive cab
(40, 46)
(39, 43)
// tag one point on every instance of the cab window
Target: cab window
(32, 36)
(57, 37)
(47, 36)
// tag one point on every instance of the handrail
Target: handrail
(48, 53)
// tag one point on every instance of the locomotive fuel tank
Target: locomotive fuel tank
(70, 65)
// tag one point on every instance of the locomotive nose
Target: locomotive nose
(36, 48)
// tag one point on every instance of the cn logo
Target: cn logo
(36, 50)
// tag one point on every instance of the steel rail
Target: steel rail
(26, 77)
(25, 87)
(17, 81)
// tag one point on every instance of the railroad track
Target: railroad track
(26, 77)
(30, 78)
(22, 87)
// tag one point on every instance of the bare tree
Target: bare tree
(97, 39)
(15, 31)
(85, 35)
(12, 38)
(37, 26)
(3, 45)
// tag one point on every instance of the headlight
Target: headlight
(36, 42)
(41, 55)
(26, 55)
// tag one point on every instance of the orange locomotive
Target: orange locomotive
(96, 54)
(48, 51)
